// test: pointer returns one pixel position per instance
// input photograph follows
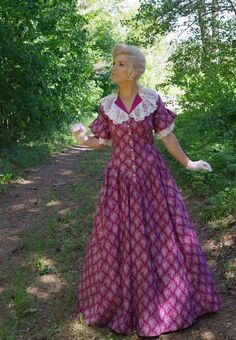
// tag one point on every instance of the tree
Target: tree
(201, 18)
(44, 70)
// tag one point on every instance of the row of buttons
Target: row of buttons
(132, 150)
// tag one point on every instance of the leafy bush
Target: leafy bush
(46, 73)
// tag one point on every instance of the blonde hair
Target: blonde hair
(137, 58)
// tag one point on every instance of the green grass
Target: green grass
(16, 157)
(17, 305)
(216, 189)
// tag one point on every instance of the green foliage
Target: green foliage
(221, 204)
(100, 42)
(204, 20)
(46, 75)
(18, 156)
(207, 80)
(55, 62)
(203, 67)
(201, 140)
(209, 104)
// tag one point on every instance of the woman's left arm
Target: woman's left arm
(172, 145)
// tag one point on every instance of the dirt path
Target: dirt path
(25, 205)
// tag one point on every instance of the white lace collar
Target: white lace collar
(147, 106)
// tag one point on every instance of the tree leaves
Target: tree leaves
(44, 66)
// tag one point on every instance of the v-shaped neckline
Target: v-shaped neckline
(122, 106)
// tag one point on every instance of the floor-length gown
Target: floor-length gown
(144, 270)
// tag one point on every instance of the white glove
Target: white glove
(198, 165)
(78, 127)
(79, 132)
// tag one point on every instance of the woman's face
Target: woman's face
(120, 69)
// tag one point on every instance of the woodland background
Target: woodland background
(55, 65)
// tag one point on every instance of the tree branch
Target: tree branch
(232, 5)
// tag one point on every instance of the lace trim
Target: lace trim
(166, 131)
(104, 141)
(147, 106)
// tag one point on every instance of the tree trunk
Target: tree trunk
(215, 21)
(202, 19)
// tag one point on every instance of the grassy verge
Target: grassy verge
(20, 156)
(201, 138)
(15, 157)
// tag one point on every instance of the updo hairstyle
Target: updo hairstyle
(136, 57)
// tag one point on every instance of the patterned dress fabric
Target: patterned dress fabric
(144, 270)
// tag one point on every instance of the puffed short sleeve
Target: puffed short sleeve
(163, 119)
(100, 127)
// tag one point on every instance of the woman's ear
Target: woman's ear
(135, 74)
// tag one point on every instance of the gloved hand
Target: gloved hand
(78, 127)
(198, 165)
(79, 132)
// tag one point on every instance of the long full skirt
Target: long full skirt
(144, 269)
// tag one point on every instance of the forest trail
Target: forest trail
(26, 208)
(21, 207)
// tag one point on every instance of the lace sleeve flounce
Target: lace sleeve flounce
(166, 131)
(105, 141)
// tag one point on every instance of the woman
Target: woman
(144, 270)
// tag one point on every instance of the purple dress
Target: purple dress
(144, 270)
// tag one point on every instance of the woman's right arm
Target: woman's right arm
(93, 142)
(89, 141)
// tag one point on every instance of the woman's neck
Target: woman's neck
(128, 90)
